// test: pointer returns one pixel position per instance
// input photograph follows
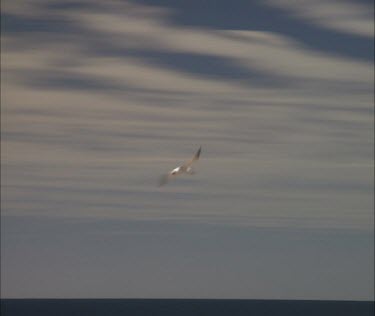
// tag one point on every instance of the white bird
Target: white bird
(185, 168)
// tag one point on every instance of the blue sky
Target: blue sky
(100, 98)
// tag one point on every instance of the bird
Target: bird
(186, 168)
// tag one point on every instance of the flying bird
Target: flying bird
(186, 168)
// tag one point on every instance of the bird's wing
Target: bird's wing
(196, 157)
(164, 179)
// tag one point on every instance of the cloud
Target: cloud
(345, 16)
(98, 101)
(263, 51)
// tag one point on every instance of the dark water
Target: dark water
(182, 307)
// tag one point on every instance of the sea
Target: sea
(183, 307)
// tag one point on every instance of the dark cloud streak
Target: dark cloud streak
(255, 15)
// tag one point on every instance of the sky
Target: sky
(99, 98)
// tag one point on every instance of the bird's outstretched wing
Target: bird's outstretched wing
(196, 157)
(164, 179)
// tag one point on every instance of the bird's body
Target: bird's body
(184, 169)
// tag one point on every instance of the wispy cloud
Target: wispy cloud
(103, 98)
(345, 16)
(99, 98)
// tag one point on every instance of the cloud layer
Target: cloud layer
(100, 98)
(96, 103)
